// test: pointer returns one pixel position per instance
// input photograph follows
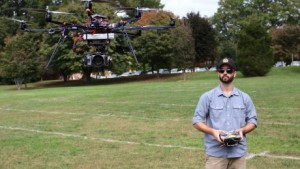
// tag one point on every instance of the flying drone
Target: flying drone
(96, 33)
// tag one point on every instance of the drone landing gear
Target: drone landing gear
(130, 47)
(59, 43)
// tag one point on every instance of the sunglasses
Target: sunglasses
(228, 71)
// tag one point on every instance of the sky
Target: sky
(182, 7)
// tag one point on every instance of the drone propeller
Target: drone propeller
(101, 1)
(147, 9)
(23, 24)
(48, 11)
(56, 12)
(21, 21)
(99, 16)
(137, 11)
(114, 3)
(59, 12)
(52, 12)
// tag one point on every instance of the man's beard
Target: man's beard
(226, 79)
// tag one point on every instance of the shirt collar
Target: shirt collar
(220, 92)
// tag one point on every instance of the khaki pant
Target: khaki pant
(225, 163)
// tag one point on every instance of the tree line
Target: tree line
(255, 33)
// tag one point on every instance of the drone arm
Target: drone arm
(35, 30)
(130, 34)
(143, 28)
(68, 25)
(56, 22)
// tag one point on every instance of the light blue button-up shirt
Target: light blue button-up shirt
(225, 113)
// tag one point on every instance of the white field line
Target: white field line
(152, 103)
(249, 155)
(194, 105)
(38, 111)
(266, 154)
(97, 138)
(252, 155)
(111, 114)
(282, 157)
(117, 114)
(278, 108)
(280, 123)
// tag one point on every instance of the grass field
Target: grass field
(141, 124)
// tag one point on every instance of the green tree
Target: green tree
(153, 48)
(140, 3)
(254, 53)
(232, 14)
(286, 41)
(183, 48)
(122, 59)
(20, 61)
(227, 49)
(205, 40)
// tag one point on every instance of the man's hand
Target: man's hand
(216, 134)
(240, 131)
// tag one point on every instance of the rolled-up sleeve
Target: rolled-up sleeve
(251, 116)
(201, 110)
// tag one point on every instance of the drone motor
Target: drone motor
(138, 14)
(88, 5)
(23, 25)
(48, 17)
(172, 22)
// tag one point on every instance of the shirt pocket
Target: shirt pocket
(239, 111)
(216, 111)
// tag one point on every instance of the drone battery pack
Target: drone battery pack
(99, 36)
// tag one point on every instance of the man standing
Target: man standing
(223, 109)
